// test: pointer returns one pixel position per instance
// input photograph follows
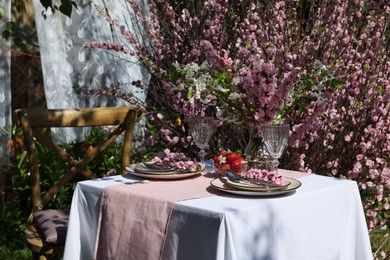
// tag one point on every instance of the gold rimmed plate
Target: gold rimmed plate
(219, 185)
(134, 169)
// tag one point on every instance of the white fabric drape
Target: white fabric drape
(5, 87)
(67, 64)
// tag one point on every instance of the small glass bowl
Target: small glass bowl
(221, 168)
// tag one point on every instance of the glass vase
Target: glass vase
(255, 152)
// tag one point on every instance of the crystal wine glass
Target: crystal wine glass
(201, 129)
(275, 139)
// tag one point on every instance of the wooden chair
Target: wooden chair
(46, 231)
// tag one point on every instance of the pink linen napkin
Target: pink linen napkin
(128, 227)
(292, 174)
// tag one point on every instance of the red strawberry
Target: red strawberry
(232, 157)
(237, 165)
(224, 167)
(215, 159)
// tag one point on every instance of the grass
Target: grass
(380, 243)
(7, 253)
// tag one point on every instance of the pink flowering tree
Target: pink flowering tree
(323, 66)
(251, 70)
(340, 109)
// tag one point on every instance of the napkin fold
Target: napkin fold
(293, 174)
(135, 215)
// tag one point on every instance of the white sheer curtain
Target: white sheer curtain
(66, 64)
(5, 87)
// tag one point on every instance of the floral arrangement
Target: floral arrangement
(265, 175)
(229, 161)
(197, 89)
(178, 161)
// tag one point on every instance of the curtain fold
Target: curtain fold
(5, 88)
(68, 67)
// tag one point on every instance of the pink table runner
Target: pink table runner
(128, 227)
(125, 228)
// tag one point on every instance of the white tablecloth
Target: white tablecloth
(324, 219)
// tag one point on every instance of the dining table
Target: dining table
(197, 217)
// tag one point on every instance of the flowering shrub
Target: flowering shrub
(340, 109)
(324, 62)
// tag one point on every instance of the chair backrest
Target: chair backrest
(34, 121)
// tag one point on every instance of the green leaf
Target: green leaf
(6, 34)
(336, 84)
(366, 68)
(189, 93)
(66, 7)
(308, 82)
(1, 13)
(381, 90)
(20, 44)
(247, 43)
(9, 25)
(47, 3)
(44, 15)
(22, 158)
(77, 89)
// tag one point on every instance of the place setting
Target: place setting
(232, 183)
(170, 165)
(152, 170)
(236, 178)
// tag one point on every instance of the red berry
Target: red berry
(215, 159)
(232, 157)
(226, 167)
(222, 168)
(237, 165)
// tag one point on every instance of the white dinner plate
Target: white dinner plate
(161, 175)
(219, 185)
